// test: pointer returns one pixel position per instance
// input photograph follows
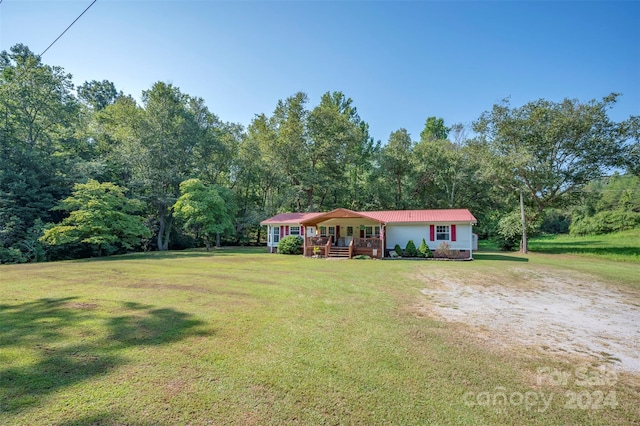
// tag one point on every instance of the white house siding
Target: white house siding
(284, 230)
(402, 233)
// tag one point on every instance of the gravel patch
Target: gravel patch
(552, 312)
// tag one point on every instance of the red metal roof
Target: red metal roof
(386, 216)
(408, 216)
(289, 218)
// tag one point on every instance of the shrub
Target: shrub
(398, 249)
(444, 250)
(11, 255)
(362, 257)
(290, 245)
(506, 244)
(510, 230)
(424, 250)
(410, 250)
(605, 222)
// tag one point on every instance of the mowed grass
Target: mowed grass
(244, 337)
(620, 246)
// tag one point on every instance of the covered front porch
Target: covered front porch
(343, 233)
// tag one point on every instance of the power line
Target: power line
(54, 41)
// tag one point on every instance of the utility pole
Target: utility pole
(523, 244)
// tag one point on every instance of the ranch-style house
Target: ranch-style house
(347, 233)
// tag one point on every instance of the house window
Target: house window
(275, 233)
(349, 231)
(372, 231)
(332, 231)
(294, 230)
(442, 232)
(323, 231)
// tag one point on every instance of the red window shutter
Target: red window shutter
(286, 231)
(302, 231)
(282, 232)
(432, 232)
(453, 232)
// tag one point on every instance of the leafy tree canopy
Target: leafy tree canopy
(550, 149)
(204, 210)
(434, 129)
(99, 94)
(101, 216)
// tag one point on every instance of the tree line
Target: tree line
(90, 171)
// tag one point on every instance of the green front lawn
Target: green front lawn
(238, 336)
(621, 246)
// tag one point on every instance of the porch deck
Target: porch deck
(323, 246)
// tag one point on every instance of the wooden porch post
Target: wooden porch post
(382, 243)
(304, 240)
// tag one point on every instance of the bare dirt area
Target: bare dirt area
(542, 309)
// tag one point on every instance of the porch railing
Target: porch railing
(313, 242)
(372, 243)
(357, 246)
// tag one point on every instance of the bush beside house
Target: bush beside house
(291, 245)
(424, 250)
(410, 250)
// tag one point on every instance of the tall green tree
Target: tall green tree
(204, 210)
(359, 169)
(434, 129)
(447, 173)
(553, 149)
(335, 136)
(397, 166)
(631, 128)
(217, 144)
(257, 177)
(101, 216)
(291, 150)
(38, 125)
(550, 150)
(160, 152)
(98, 94)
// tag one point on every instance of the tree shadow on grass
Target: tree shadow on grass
(106, 419)
(588, 249)
(150, 255)
(181, 254)
(496, 256)
(50, 331)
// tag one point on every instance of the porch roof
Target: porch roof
(338, 213)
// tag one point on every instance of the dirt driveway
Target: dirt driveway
(542, 309)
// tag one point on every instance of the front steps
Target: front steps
(338, 252)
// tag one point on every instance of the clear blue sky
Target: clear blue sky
(400, 62)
